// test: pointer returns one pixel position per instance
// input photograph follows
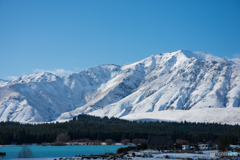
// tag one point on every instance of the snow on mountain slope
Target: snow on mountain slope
(162, 83)
(2, 82)
(212, 115)
(236, 60)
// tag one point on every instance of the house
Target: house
(185, 147)
(203, 146)
(234, 146)
(159, 142)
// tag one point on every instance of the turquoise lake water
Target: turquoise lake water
(61, 151)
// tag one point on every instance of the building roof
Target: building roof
(182, 141)
(203, 144)
(159, 140)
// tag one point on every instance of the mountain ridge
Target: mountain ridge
(180, 80)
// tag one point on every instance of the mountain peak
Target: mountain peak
(36, 77)
(186, 54)
(200, 55)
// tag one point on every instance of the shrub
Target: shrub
(125, 141)
(136, 141)
(109, 141)
(25, 153)
(133, 154)
(167, 157)
(58, 143)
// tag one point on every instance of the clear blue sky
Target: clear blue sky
(43, 35)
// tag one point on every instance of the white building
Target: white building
(234, 146)
(203, 146)
(185, 147)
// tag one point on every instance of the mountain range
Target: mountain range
(172, 86)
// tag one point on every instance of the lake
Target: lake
(61, 151)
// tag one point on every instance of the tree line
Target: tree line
(97, 128)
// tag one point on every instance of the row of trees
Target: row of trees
(64, 137)
(96, 128)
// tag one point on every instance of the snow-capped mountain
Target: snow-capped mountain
(179, 85)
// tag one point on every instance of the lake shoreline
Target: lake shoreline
(60, 151)
(115, 144)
